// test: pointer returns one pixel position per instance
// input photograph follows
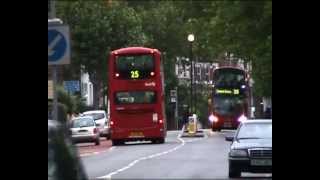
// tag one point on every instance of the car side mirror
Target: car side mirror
(229, 138)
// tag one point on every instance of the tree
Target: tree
(243, 28)
(98, 27)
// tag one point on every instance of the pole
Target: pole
(176, 111)
(55, 95)
(54, 69)
(195, 89)
(52, 9)
(104, 84)
(191, 87)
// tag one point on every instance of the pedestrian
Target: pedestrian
(185, 118)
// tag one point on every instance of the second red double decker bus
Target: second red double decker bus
(136, 95)
(229, 102)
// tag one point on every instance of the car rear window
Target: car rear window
(96, 116)
(82, 122)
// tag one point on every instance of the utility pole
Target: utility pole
(176, 111)
(52, 15)
(191, 39)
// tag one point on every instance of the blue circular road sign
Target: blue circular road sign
(57, 45)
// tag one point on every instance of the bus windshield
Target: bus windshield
(228, 105)
(135, 66)
(229, 77)
(135, 97)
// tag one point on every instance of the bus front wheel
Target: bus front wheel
(116, 142)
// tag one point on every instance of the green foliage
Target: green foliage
(62, 111)
(243, 28)
(72, 103)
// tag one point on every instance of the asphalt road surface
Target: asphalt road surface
(183, 158)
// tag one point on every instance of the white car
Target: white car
(102, 121)
(84, 129)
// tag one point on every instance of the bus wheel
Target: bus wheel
(116, 142)
(154, 141)
(161, 140)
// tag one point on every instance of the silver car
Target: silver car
(102, 121)
(84, 129)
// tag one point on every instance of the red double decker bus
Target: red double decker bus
(136, 94)
(229, 102)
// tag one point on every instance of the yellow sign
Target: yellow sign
(134, 74)
(223, 91)
(236, 91)
(226, 91)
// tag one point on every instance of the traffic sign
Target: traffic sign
(58, 44)
(72, 86)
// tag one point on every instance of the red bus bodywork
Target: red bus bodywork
(131, 122)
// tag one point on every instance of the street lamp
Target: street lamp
(191, 39)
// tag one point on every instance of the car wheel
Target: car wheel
(234, 173)
(97, 142)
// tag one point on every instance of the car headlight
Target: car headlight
(238, 153)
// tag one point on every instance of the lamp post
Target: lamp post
(191, 39)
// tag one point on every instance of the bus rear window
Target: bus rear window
(135, 97)
(135, 66)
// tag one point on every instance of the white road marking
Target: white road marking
(108, 176)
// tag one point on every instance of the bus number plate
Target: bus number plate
(136, 134)
(227, 124)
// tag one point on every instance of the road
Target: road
(183, 158)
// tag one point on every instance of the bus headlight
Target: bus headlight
(213, 118)
(242, 118)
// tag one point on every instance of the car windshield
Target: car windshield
(255, 131)
(96, 116)
(82, 122)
